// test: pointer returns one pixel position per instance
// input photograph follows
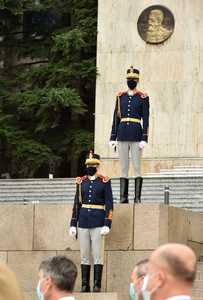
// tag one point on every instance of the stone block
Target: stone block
(16, 227)
(163, 224)
(122, 296)
(196, 227)
(200, 267)
(147, 220)
(177, 225)
(25, 264)
(81, 296)
(3, 257)
(96, 296)
(51, 226)
(75, 257)
(196, 247)
(120, 264)
(30, 296)
(121, 234)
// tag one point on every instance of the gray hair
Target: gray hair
(141, 267)
(62, 271)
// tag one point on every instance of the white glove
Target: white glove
(113, 144)
(72, 231)
(142, 144)
(105, 230)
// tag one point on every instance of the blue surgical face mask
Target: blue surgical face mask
(133, 292)
(40, 296)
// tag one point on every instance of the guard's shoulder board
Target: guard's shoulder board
(104, 179)
(79, 180)
(142, 93)
(121, 93)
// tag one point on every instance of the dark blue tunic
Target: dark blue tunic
(136, 106)
(96, 192)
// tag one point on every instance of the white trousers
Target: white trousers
(91, 242)
(123, 149)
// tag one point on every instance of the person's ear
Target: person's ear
(48, 284)
(161, 278)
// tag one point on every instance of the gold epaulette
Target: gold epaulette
(105, 179)
(79, 180)
(121, 93)
(142, 94)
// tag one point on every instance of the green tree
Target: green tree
(47, 85)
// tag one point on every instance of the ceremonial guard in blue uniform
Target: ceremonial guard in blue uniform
(130, 132)
(92, 212)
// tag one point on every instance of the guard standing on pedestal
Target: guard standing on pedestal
(92, 212)
(130, 132)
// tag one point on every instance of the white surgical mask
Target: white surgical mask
(146, 294)
(40, 296)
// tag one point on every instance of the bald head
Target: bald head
(179, 260)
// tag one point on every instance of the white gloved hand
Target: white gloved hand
(113, 144)
(72, 231)
(105, 230)
(142, 144)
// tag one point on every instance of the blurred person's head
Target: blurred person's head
(137, 277)
(57, 276)
(171, 272)
(9, 288)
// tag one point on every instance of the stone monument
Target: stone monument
(163, 40)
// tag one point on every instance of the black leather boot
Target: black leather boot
(138, 189)
(97, 278)
(123, 190)
(85, 272)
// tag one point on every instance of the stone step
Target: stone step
(197, 294)
(174, 175)
(38, 192)
(200, 268)
(198, 285)
(175, 193)
(184, 192)
(146, 182)
(96, 296)
(174, 182)
(183, 170)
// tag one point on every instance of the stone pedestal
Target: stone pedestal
(136, 231)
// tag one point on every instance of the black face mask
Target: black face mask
(91, 171)
(131, 84)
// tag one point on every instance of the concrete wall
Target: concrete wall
(29, 233)
(171, 73)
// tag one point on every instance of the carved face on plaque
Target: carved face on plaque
(155, 24)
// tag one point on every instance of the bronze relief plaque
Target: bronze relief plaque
(156, 24)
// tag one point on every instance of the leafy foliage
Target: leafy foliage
(46, 88)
